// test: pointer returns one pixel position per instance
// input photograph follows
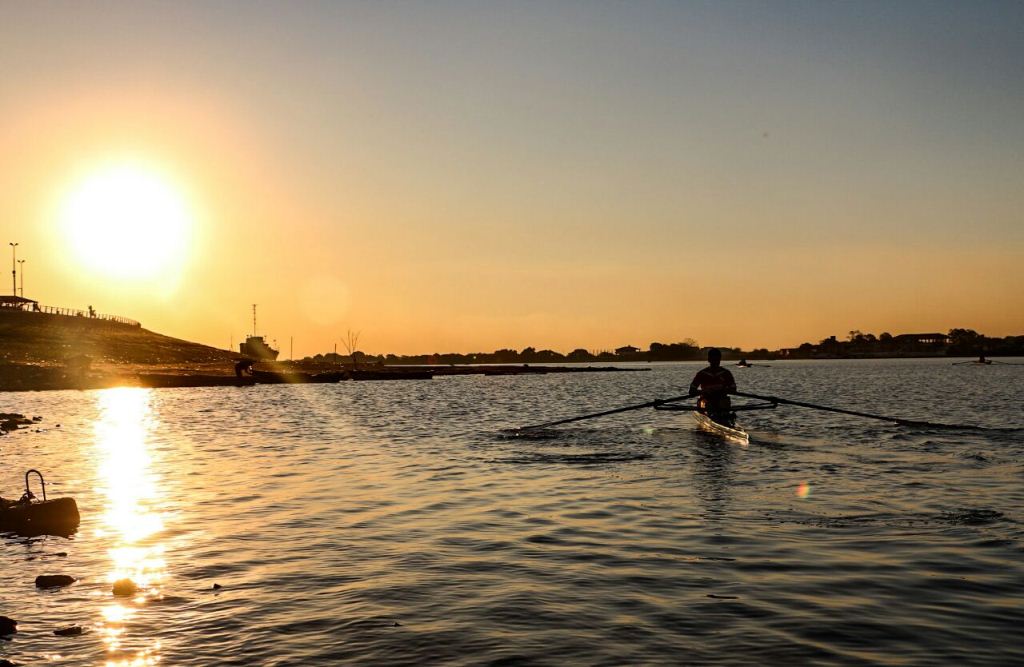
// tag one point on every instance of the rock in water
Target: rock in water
(54, 580)
(8, 626)
(70, 631)
(125, 588)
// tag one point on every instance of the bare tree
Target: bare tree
(351, 342)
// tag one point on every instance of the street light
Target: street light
(21, 265)
(14, 268)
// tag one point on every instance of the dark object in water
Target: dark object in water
(54, 580)
(125, 588)
(361, 374)
(70, 631)
(8, 626)
(12, 421)
(30, 517)
(217, 587)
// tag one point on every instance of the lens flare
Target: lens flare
(803, 490)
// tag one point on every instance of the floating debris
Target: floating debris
(125, 588)
(54, 580)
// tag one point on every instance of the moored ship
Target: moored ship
(255, 346)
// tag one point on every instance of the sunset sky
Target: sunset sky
(466, 176)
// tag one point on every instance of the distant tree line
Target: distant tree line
(958, 342)
(688, 350)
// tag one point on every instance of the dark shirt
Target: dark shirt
(713, 383)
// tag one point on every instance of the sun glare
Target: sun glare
(128, 221)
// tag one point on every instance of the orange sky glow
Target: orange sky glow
(465, 178)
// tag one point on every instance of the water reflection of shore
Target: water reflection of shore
(130, 524)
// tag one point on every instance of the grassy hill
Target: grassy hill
(40, 338)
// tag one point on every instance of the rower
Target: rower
(714, 384)
(743, 363)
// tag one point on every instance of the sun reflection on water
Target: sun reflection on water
(131, 520)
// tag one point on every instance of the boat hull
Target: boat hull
(49, 517)
(729, 433)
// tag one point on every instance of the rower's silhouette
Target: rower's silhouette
(714, 384)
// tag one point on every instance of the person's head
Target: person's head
(714, 357)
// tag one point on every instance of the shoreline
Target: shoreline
(19, 377)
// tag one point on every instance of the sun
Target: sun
(127, 220)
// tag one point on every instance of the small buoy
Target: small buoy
(70, 631)
(125, 588)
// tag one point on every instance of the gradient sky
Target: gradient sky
(465, 176)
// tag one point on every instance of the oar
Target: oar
(649, 404)
(894, 420)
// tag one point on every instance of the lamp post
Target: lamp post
(14, 268)
(21, 265)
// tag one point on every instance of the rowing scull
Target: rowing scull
(727, 432)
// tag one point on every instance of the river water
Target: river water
(397, 523)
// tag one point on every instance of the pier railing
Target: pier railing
(73, 312)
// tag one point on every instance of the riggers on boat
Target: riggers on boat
(729, 430)
(30, 516)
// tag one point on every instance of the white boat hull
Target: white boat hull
(729, 433)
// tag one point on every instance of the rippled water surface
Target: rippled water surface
(397, 523)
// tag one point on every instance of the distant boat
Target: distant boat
(255, 346)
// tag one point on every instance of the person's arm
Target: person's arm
(695, 385)
(731, 384)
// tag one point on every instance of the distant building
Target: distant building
(19, 302)
(922, 338)
(628, 349)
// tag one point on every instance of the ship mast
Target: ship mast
(254, 320)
